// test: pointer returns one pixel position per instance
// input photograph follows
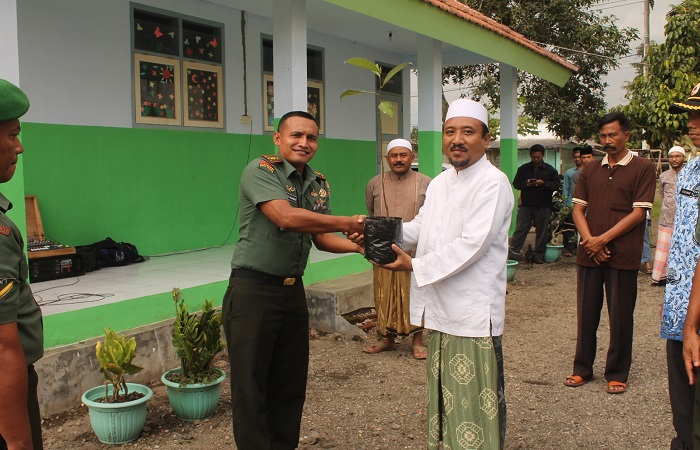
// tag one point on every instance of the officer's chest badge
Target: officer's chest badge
(5, 230)
(314, 194)
(289, 188)
(322, 193)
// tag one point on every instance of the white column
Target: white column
(509, 128)
(9, 69)
(509, 102)
(289, 45)
(429, 84)
(429, 105)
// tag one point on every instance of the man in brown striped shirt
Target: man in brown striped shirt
(610, 203)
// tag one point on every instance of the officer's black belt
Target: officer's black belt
(264, 277)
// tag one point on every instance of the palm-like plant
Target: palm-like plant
(383, 107)
(197, 340)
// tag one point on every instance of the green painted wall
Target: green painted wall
(509, 165)
(162, 190)
(165, 191)
(430, 152)
(75, 326)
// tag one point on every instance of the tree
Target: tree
(570, 29)
(672, 72)
(526, 125)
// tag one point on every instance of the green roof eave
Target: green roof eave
(428, 20)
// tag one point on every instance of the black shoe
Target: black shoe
(659, 283)
(513, 256)
(538, 260)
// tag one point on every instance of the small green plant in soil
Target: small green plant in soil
(197, 340)
(115, 356)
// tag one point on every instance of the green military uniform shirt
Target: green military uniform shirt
(17, 303)
(262, 246)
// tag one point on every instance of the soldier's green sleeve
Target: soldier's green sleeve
(10, 262)
(261, 183)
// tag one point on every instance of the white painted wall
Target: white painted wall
(9, 69)
(75, 63)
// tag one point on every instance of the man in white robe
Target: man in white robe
(458, 285)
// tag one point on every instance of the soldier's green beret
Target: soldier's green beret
(13, 101)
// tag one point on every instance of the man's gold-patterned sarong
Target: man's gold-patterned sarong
(391, 300)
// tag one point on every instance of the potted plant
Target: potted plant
(382, 231)
(117, 410)
(558, 225)
(194, 387)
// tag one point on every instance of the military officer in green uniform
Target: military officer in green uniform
(284, 206)
(21, 329)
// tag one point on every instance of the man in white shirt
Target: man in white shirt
(458, 284)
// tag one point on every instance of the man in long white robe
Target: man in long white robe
(458, 285)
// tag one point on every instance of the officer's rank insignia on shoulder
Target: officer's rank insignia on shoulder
(272, 158)
(5, 230)
(266, 165)
(267, 161)
(321, 176)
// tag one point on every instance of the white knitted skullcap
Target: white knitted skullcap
(464, 107)
(399, 143)
(676, 149)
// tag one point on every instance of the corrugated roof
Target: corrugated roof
(464, 12)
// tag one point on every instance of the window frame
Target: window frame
(183, 63)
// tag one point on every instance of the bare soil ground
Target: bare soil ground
(360, 401)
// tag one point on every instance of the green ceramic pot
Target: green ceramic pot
(552, 253)
(192, 402)
(117, 423)
(511, 267)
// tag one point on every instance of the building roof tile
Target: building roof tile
(464, 12)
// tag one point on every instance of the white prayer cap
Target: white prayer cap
(464, 107)
(399, 143)
(676, 149)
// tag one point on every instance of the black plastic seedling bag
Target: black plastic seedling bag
(380, 233)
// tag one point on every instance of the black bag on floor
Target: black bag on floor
(88, 257)
(109, 253)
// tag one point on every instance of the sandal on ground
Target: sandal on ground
(380, 347)
(616, 387)
(648, 269)
(575, 381)
(419, 352)
(568, 254)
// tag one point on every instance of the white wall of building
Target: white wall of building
(75, 57)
